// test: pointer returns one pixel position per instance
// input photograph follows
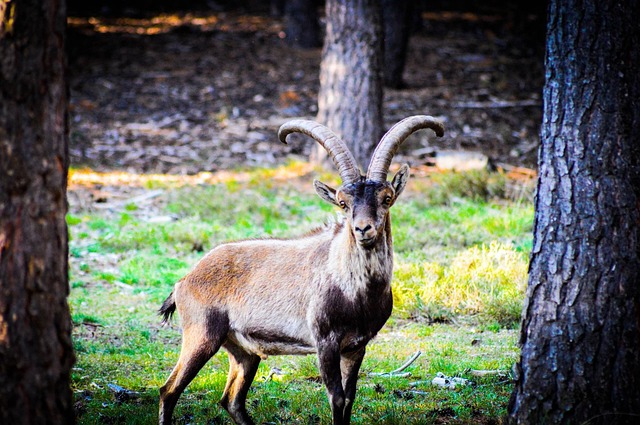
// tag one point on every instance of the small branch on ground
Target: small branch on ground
(398, 372)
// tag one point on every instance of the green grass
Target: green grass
(488, 281)
(461, 258)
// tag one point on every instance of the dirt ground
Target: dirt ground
(206, 91)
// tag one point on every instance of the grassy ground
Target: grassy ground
(461, 256)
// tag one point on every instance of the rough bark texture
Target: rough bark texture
(350, 96)
(580, 360)
(397, 16)
(36, 353)
(302, 25)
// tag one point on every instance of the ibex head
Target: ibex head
(365, 200)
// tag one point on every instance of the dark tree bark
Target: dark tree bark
(277, 7)
(580, 338)
(302, 24)
(350, 96)
(36, 353)
(397, 18)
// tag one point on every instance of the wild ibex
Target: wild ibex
(327, 292)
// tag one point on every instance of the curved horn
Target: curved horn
(391, 141)
(335, 147)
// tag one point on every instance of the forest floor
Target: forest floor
(460, 266)
(207, 91)
(203, 94)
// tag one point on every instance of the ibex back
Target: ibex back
(327, 292)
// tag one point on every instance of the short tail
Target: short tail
(168, 308)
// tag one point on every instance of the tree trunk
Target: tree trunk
(36, 352)
(580, 338)
(350, 96)
(302, 25)
(397, 17)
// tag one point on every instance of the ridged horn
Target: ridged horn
(391, 141)
(335, 147)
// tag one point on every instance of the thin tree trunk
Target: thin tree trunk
(350, 97)
(397, 17)
(580, 338)
(302, 25)
(36, 353)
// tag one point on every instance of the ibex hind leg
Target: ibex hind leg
(242, 370)
(198, 346)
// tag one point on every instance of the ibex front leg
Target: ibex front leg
(349, 367)
(329, 362)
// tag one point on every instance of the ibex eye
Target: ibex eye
(343, 205)
(387, 200)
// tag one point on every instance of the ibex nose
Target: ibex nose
(365, 233)
(363, 230)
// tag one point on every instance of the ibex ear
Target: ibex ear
(400, 180)
(325, 192)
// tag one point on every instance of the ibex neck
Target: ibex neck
(358, 268)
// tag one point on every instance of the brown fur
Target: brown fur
(327, 292)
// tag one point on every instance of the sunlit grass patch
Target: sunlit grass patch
(488, 281)
(291, 170)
